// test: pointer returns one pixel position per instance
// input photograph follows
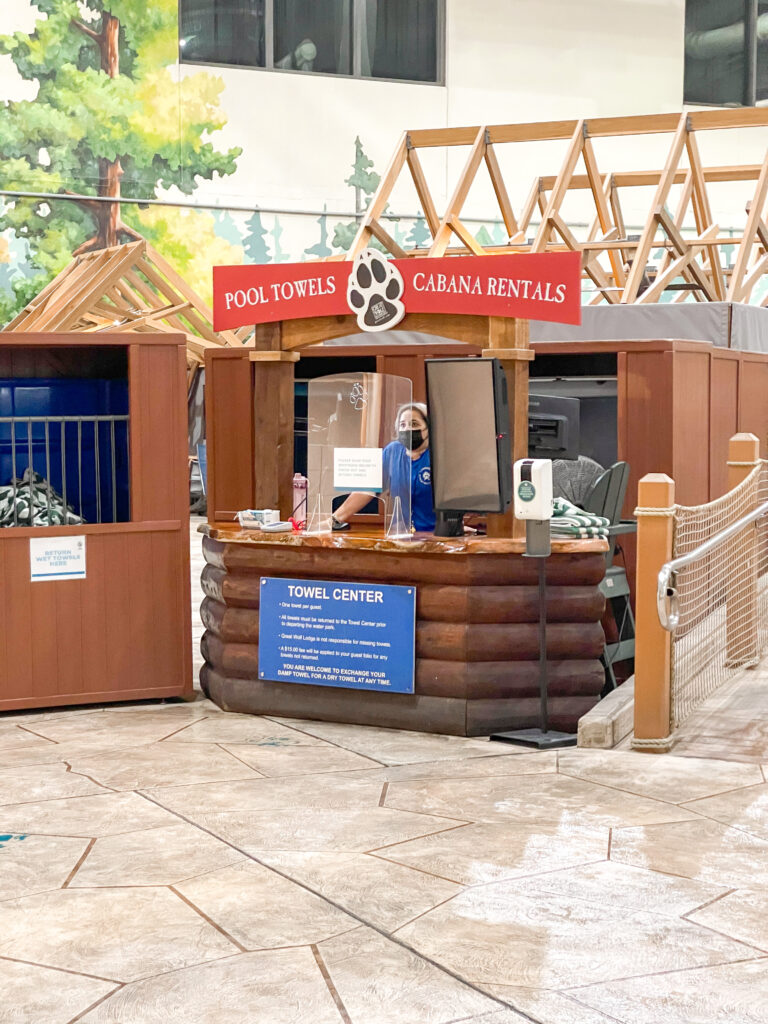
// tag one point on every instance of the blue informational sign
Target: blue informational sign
(356, 635)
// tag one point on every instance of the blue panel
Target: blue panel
(360, 636)
(76, 474)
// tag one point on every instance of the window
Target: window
(391, 39)
(313, 35)
(726, 52)
(223, 32)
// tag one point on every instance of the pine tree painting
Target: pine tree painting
(277, 230)
(365, 182)
(321, 249)
(226, 227)
(419, 235)
(254, 243)
(108, 121)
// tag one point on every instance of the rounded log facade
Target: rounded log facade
(477, 653)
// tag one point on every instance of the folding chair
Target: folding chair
(606, 498)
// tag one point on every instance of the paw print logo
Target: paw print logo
(374, 291)
(358, 397)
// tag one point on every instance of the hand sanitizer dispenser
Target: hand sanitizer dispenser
(533, 489)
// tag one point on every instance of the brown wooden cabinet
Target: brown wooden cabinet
(123, 632)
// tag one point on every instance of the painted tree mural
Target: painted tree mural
(277, 230)
(255, 242)
(365, 182)
(320, 250)
(110, 120)
(419, 236)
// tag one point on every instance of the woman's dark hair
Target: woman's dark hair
(418, 407)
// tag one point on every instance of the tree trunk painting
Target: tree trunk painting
(110, 227)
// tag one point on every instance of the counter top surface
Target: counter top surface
(365, 539)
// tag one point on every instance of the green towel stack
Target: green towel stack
(571, 521)
(31, 502)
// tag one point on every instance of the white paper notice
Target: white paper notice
(57, 558)
(357, 469)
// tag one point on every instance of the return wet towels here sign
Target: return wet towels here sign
(56, 558)
(359, 636)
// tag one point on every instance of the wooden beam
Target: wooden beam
(557, 195)
(590, 265)
(422, 189)
(530, 205)
(754, 217)
(467, 237)
(665, 278)
(662, 191)
(697, 272)
(386, 240)
(460, 193)
(599, 127)
(703, 214)
(634, 179)
(502, 196)
(757, 271)
(603, 209)
(381, 198)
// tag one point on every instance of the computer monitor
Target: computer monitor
(553, 427)
(470, 448)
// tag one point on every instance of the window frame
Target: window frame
(749, 75)
(357, 50)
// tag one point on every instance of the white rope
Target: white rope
(656, 511)
(722, 598)
(652, 744)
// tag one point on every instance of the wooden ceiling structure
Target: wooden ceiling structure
(127, 288)
(617, 266)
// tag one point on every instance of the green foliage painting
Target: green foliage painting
(365, 182)
(109, 120)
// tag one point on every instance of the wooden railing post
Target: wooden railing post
(741, 600)
(653, 644)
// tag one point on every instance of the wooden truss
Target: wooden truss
(617, 266)
(125, 288)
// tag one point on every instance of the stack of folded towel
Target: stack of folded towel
(571, 521)
(32, 502)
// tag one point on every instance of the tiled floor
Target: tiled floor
(733, 723)
(175, 863)
(180, 865)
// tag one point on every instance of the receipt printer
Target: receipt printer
(533, 489)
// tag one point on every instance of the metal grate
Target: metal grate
(721, 596)
(73, 468)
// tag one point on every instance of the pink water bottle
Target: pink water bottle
(300, 498)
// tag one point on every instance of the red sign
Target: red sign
(536, 286)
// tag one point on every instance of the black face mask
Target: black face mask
(411, 439)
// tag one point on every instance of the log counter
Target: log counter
(476, 628)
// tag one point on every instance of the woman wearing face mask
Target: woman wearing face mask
(406, 464)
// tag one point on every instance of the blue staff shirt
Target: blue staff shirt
(397, 466)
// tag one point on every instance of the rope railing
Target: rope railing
(713, 596)
(702, 592)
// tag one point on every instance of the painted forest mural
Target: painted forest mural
(105, 123)
(109, 129)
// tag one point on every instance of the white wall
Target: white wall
(506, 61)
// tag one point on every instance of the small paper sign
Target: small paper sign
(57, 558)
(357, 469)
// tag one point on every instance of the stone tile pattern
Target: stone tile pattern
(175, 862)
